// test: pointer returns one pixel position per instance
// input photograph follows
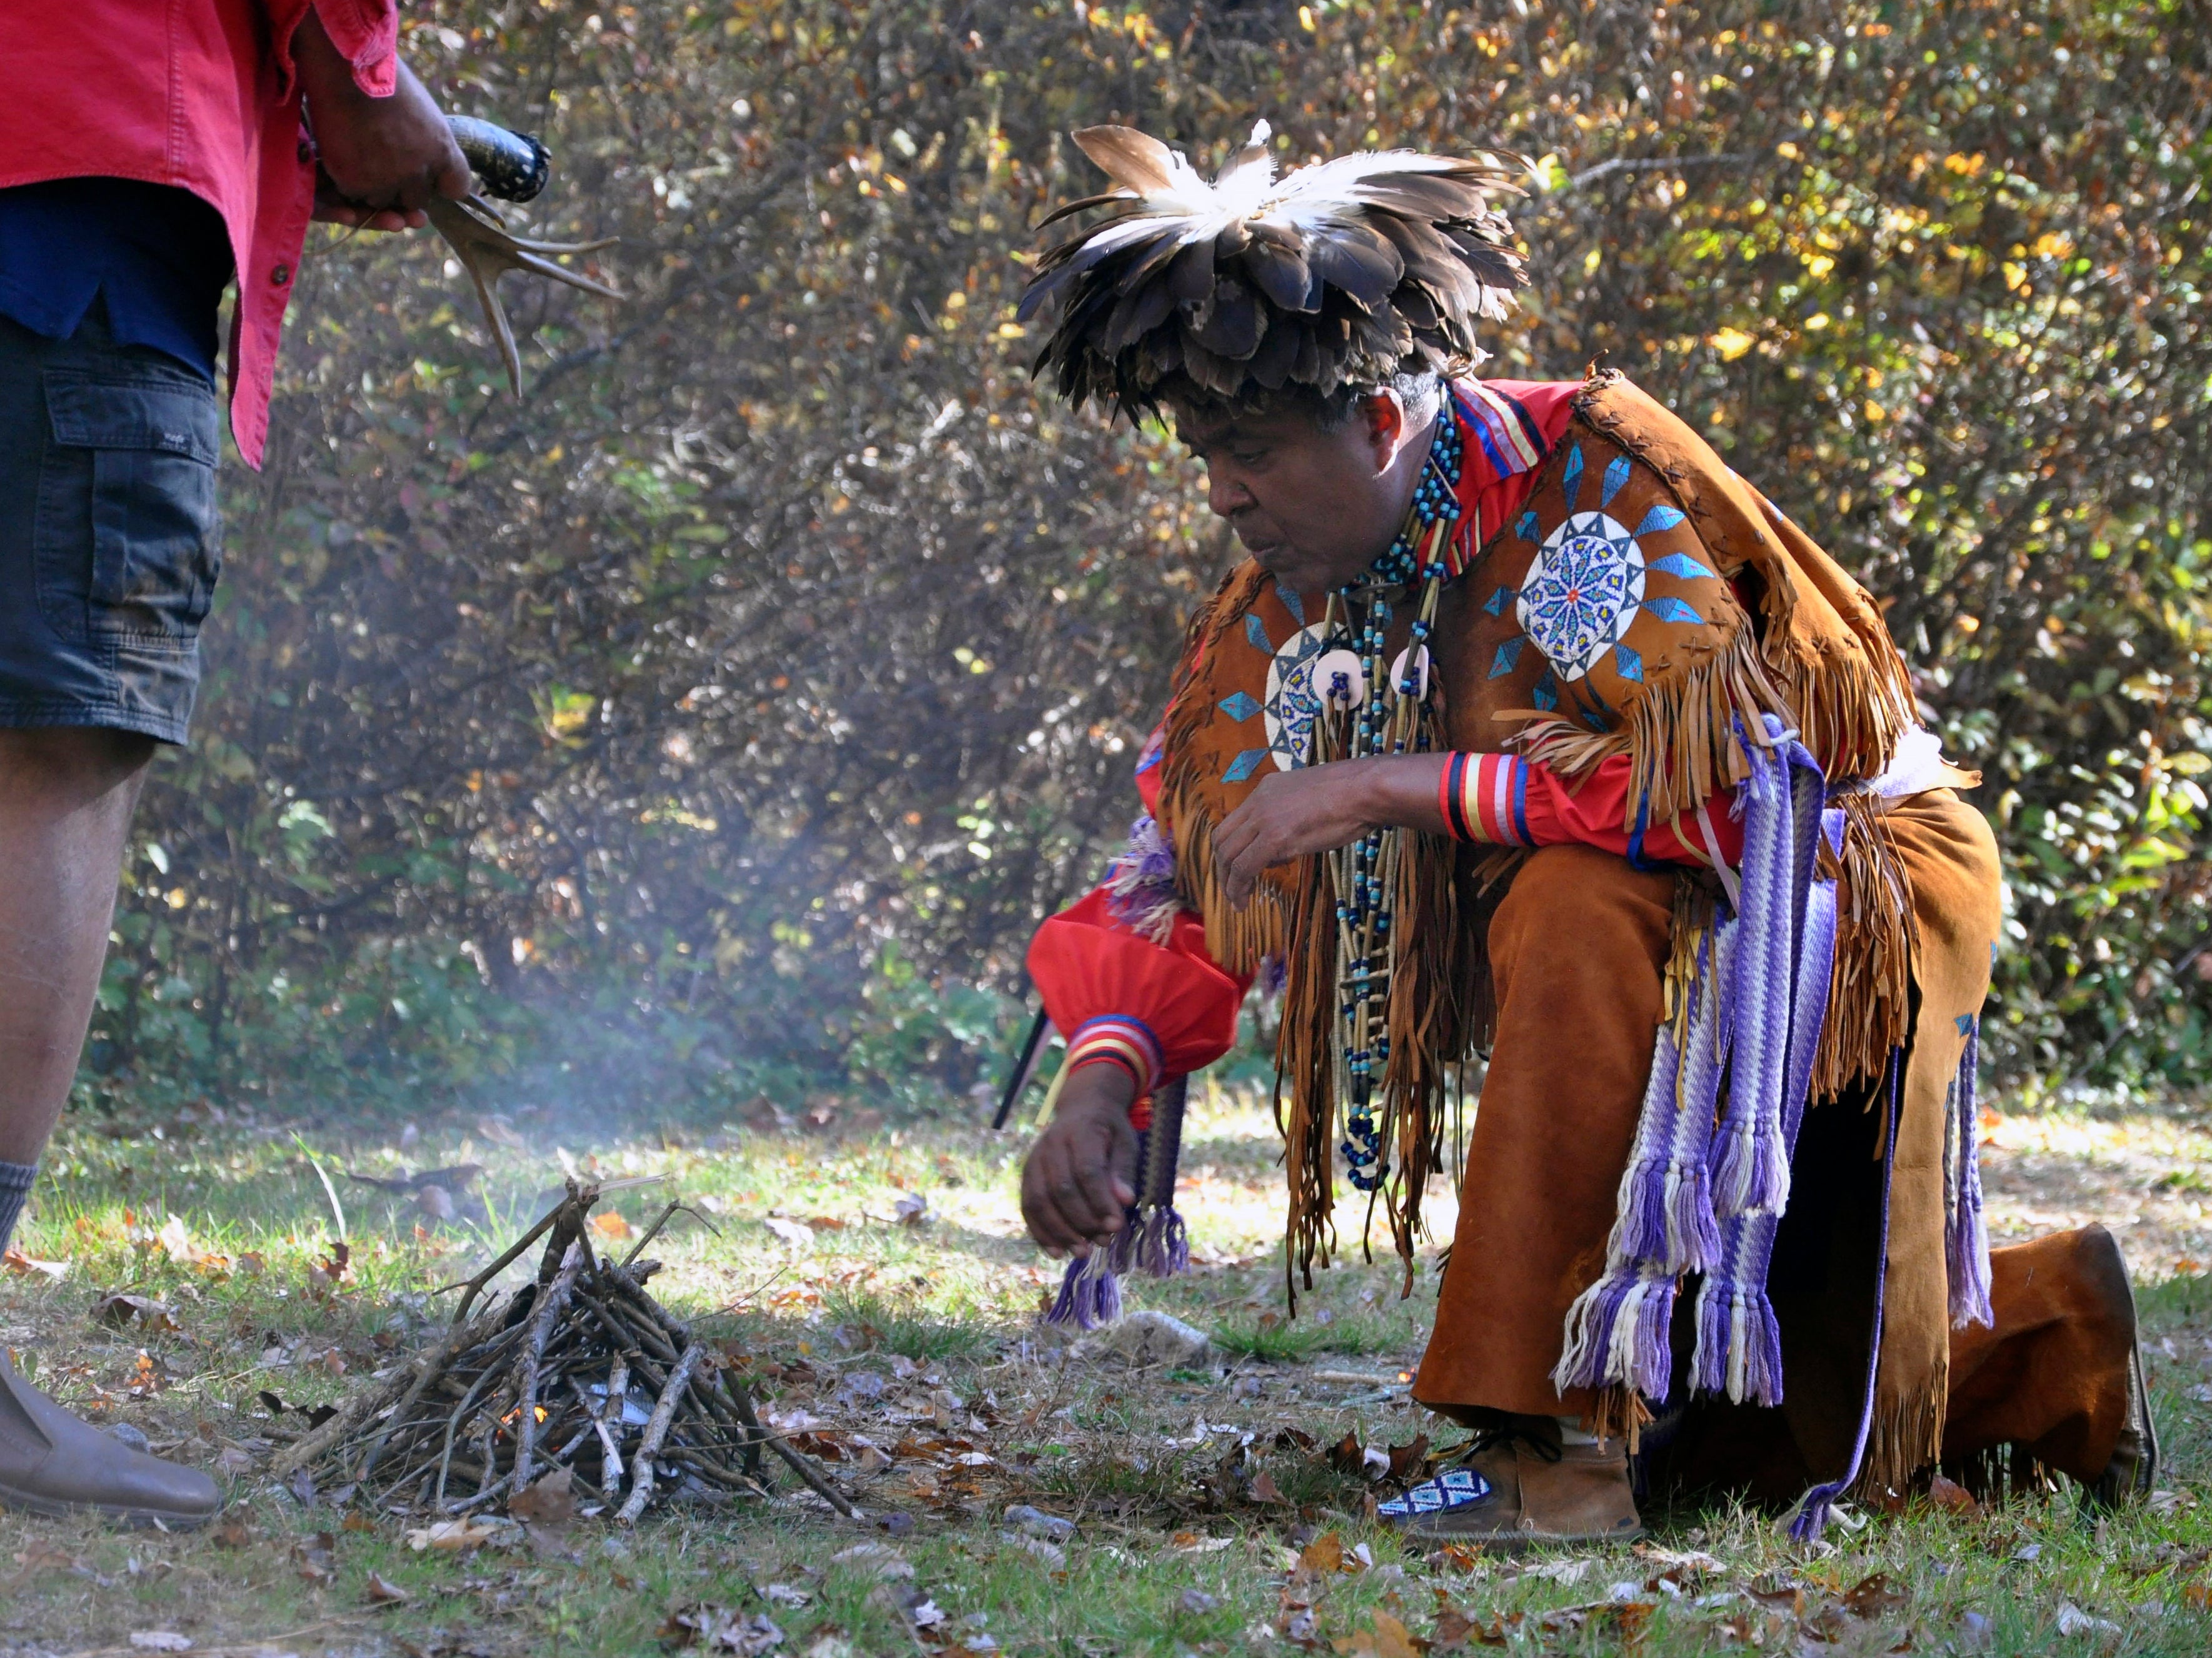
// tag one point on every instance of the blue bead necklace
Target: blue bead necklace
(1393, 714)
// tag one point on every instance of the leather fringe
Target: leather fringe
(1877, 946)
(1908, 1436)
(1681, 737)
(1238, 940)
(1851, 707)
(1618, 1412)
(1430, 1021)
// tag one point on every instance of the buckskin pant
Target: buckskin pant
(1577, 948)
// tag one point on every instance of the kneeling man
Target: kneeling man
(1530, 728)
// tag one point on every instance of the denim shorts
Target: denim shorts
(108, 531)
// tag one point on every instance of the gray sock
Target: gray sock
(15, 1180)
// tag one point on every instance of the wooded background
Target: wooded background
(721, 716)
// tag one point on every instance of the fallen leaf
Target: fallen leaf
(161, 1640)
(912, 1209)
(1952, 1497)
(1875, 1597)
(609, 1223)
(1387, 1638)
(123, 1311)
(474, 1532)
(884, 1561)
(1198, 1602)
(547, 1502)
(1264, 1489)
(1324, 1556)
(2072, 1620)
(797, 1234)
(1347, 1457)
(24, 1266)
(38, 1555)
(783, 1594)
(1406, 1461)
(382, 1591)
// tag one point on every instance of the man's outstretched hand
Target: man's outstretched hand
(383, 159)
(1082, 1172)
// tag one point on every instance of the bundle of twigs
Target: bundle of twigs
(581, 1370)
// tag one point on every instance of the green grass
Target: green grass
(1172, 1553)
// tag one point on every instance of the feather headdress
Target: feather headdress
(1345, 272)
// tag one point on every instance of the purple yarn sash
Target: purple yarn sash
(1816, 1506)
(1776, 989)
(1663, 1226)
(1707, 1179)
(1966, 1238)
(1153, 1237)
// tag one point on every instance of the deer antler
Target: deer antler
(488, 250)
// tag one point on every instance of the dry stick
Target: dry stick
(453, 1425)
(661, 1220)
(655, 1431)
(549, 1311)
(432, 1362)
(610, 1461)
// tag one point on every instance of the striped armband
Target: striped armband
(1484, 797)
(1114, 1039)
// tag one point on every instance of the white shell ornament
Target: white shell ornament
(1415, 658)
(1339, 679)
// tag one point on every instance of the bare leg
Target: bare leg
(66, 796)
(65, 801)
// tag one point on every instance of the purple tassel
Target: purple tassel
(1140, 882)
(1967, 1238)
(1616, 1331)
(1776, 990)
(1090, 1294)
(1814, 1512)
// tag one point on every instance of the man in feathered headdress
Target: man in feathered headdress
(1529, 727)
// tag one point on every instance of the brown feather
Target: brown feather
(1135, 159)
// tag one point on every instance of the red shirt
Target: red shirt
(199, 94)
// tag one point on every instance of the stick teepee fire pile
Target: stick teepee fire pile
(581, 1370)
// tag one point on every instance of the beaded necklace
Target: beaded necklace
(1369, 710)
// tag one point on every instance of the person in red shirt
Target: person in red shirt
(149, 155)
(1528, 731)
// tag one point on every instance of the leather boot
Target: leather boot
(1518, 1485)
(51, 1463)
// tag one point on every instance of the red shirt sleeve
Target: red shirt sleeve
(1502, 800)
(1157, 1010)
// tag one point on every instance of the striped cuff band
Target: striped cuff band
(1113, 1039)
(1484, 797)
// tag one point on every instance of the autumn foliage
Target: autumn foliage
(739, 697)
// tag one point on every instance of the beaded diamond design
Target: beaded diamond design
(1292, 699)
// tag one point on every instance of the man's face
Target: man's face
(1314, 507)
